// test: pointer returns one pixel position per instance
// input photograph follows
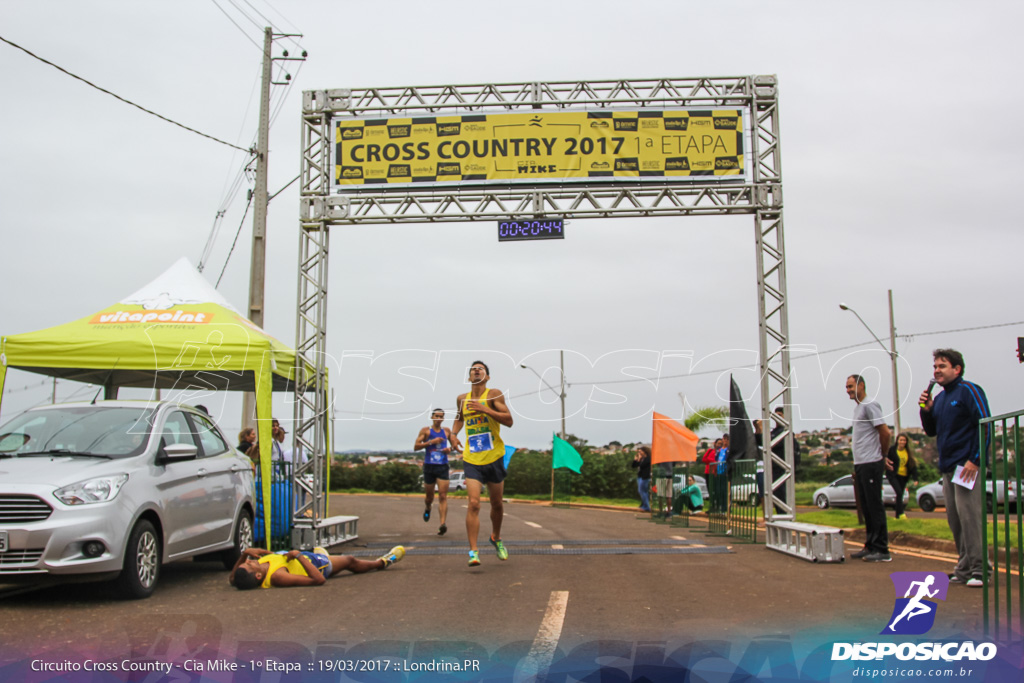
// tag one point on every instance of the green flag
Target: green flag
(564, 455)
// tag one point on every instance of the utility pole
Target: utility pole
(257, 268)
(895, 380)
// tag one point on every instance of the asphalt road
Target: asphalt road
(682, 586)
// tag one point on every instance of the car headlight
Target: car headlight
(99, 490)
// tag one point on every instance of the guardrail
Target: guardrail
(998, 438)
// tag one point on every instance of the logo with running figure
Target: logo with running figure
(915, 608)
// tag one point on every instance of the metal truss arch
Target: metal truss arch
(760, 194)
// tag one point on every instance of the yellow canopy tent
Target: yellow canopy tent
(175, 333)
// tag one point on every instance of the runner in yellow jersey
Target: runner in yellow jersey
(258, 568)
(483, 412)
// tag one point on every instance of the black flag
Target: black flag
(741, 431)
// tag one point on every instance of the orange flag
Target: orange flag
(672, 442)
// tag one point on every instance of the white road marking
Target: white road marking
(538, 660)
(534, 525)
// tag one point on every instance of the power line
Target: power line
(247, 36)
(816, 354)
(118, 97)
(233, 244)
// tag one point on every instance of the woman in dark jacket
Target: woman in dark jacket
(642, 461)
(901, 468)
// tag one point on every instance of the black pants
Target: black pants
(899, 485)
(868, 479)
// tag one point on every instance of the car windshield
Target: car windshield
(96, 431)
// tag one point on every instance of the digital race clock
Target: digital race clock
(545, 229)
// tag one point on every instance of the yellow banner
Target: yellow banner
(532, 147)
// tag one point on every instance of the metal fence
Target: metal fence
(745, 500)
(999, 438)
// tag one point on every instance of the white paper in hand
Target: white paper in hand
(958, 478)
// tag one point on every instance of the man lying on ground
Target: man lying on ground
(263, 569)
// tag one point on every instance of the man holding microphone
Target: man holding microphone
(953, 418)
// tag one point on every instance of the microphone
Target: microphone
(931, 385)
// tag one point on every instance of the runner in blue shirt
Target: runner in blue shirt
(437, 441)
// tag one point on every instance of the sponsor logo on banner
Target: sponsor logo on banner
(399, 171)
(636, 144)
(914, 613)
(726, 122)
(179, 317)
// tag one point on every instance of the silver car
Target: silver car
(115, 489)
(931, 496)
(840, 494)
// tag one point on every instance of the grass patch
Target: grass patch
(930, 528)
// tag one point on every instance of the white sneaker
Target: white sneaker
(974, 582)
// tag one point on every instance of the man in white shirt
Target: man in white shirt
(870, 440)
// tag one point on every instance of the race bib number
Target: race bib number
(478, 443)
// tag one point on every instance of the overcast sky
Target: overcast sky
(900, 171)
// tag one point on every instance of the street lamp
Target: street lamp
(892, 356)
(561, 394)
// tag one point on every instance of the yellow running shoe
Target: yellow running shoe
(392, 556)
(474, 558)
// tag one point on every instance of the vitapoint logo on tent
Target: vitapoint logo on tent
(914, 613)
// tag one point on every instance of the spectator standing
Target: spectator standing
(642, 463)
(246, 442)
(902, 468)
(710, 457)
(870, 440)
(710, 461)
(952, 417)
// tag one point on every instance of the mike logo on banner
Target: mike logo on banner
(914, 613)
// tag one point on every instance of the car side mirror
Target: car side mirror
(180, 451)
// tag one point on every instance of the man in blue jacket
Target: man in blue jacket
(953, 418)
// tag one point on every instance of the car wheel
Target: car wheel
(927, 503)
(142, 561)
(242, 540)
(989, 502)
(822, 501)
